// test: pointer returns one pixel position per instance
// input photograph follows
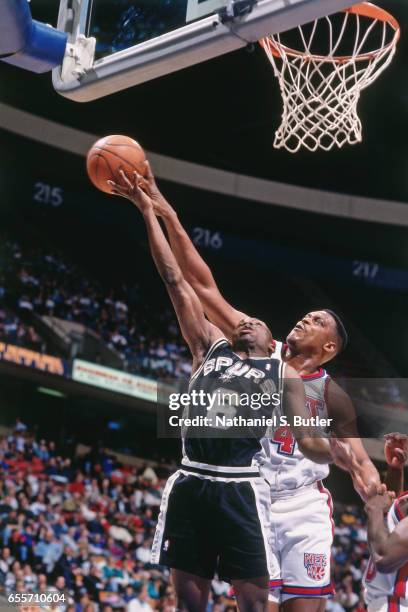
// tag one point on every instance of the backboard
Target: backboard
(115, 44)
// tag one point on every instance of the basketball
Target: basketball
(111, 154)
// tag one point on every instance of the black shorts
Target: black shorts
(208, 527)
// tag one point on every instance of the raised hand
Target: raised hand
(396, 449)
(379, 499)
(131, 189)
(148, 184)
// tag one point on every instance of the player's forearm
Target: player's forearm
(199, 276)
(389, 551)
(394, 479)
(364, 476)
(368, 472)
(316, 449)
(162, 254)
(377, 534)
(193, 266)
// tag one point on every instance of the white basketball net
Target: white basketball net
(320, 92)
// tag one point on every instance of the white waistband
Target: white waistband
(302, 490)
(231, 478)
(253, 469)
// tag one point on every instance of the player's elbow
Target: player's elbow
(172, 278)
(314, 449)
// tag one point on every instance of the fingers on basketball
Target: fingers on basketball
(114, 157)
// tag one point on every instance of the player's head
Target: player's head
(253, 334)
(321, 333)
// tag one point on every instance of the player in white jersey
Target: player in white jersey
(386, 576)
(315, 340)
(296, 484)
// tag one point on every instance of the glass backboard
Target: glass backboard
(121, 24)
(115, 44)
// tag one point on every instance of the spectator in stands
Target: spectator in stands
(44, 282)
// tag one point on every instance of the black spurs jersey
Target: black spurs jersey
(232, 403)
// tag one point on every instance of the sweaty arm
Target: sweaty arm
(389, 550)
(197, 331)
(340, 408)
(396, 456)
(314, 447)
(199, 275)
(194, 269)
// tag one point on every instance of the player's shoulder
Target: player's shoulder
(218, 344)
(218, 347)
(335, 391)
(338, 402)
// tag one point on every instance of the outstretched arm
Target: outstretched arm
(389, 550)
(194, 268)
(341, 409)
(311, 441)
(316, 449)
(197, 331)
(396, 456)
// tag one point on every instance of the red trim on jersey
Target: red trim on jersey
(323, 490)
(398, 512)
(319, 374)
(326, 492)
(308, 591)
(275, 584)
(393, 604)
(401, 582)
(326, 390)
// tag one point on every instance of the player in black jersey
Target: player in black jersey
(314, 340)
(215, 511)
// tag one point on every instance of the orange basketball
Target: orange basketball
(111, 154)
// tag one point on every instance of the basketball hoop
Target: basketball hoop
(320, 82)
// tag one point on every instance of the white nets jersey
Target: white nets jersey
(380, 586)
(281, 462)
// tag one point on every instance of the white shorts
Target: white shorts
(388, 604)
(301, 539)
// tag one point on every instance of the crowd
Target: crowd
(42, 281)
(83, 527)
(349, 559)
(13, 330)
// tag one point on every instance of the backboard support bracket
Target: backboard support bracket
(236, 9)
(79, 57)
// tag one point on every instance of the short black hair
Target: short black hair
(341, 330)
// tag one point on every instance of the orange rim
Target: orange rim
(364, 9)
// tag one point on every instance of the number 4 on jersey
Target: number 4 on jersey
(285, 440)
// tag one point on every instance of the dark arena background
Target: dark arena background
(87, 330)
